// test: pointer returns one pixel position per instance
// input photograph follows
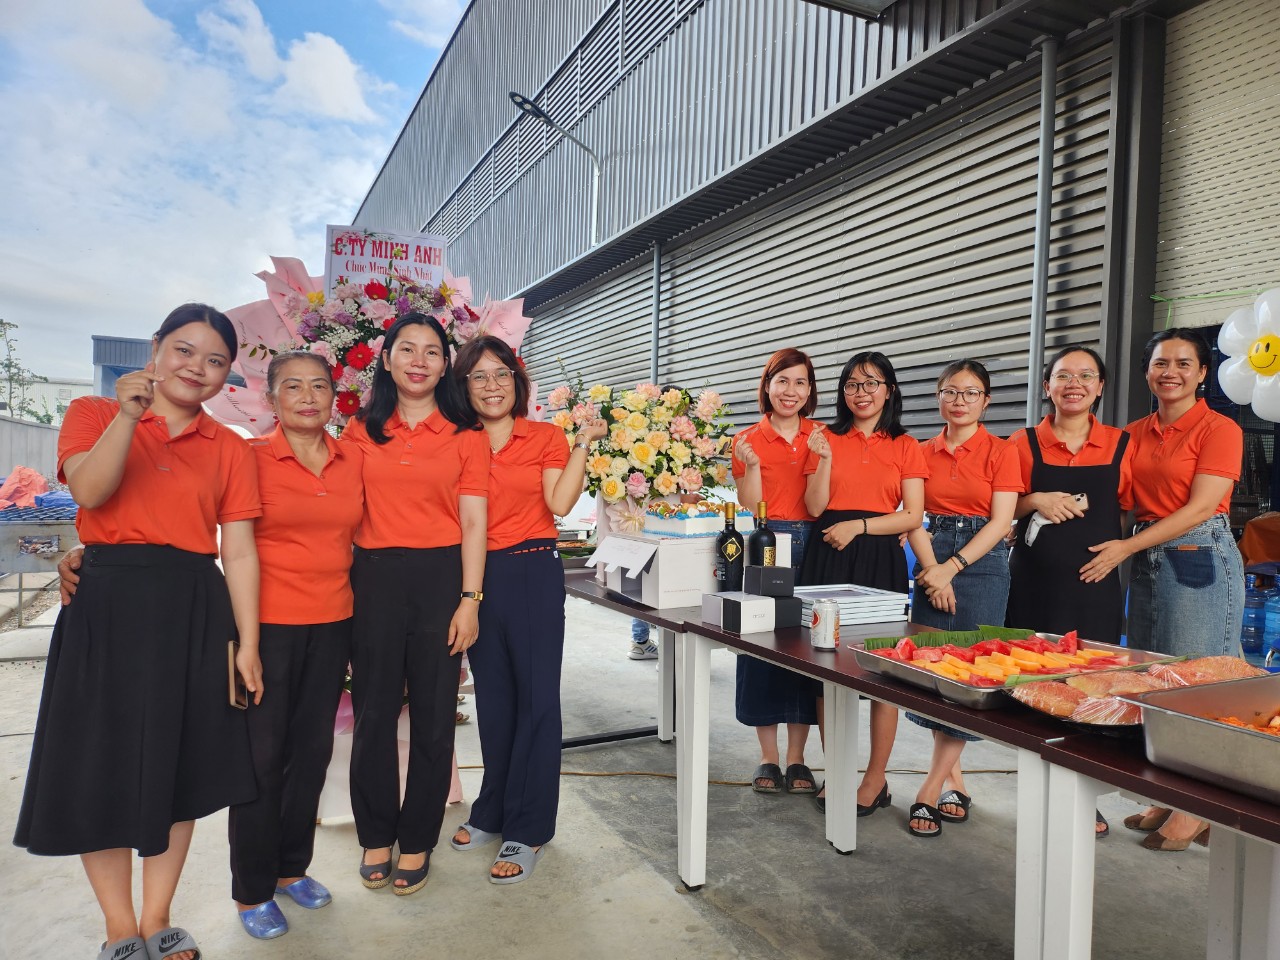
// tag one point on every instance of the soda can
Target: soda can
(824, 625)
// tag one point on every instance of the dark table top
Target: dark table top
(1122, 762)
(583, 585)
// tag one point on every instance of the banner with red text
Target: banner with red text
(357, 256)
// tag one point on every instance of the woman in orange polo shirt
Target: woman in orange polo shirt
(768, 464)
(866, 486)
(312, 502)
(1070, 454)
(417, 577)
(135, 737)
(962, 579)
(1186, 588)
(533, 476)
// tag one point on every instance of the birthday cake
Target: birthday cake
(702, 519)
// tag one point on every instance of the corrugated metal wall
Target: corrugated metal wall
(726, 80)
(1219, 182)
(462, 111)
(923, 251)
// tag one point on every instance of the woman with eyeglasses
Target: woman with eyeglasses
(866, 486)
(1077, 474)
(534, 476)
(1186, 587)
(962, 574)
(417, 579)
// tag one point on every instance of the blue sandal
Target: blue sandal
(414, 880)
(367, 871)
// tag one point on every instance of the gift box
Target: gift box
(660, 572)
(769, 581)
(738, 612)
(788, 612)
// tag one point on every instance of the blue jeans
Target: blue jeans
(799, 530)
(981, 589)
(1186, 596)
(639, 632)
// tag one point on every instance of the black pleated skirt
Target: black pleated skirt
(135, 732)
(869, 560)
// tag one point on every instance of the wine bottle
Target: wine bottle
(730, 551)
(762, 545)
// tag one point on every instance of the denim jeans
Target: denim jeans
(981, 589)
(1186, 596)
(639, 632)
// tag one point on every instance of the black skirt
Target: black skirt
(870, 560)
(135, 732)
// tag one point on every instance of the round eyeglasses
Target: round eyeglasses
(852, 388)
(481, 377)
(972, 395)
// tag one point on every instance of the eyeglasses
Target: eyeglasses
(851, 388)
(972, 395)
(1084, 379)
(500, 377)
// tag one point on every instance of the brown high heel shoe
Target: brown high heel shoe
(1157, 841)
(1146, 822)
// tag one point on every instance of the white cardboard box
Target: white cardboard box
(660, 572)
(738, 612)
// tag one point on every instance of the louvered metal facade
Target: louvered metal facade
(1220, 182)
(922, 250)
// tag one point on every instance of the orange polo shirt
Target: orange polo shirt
(1099, 449)
(782, 465)
(1166, 461)
(412, 482)
(961, 482)
(175, 490)
(867, 472)
(305, 533)
(518, 508)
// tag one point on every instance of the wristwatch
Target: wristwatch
(581, 445)
(476, 595)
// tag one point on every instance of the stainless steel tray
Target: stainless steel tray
(976, 698)
(1181, 736)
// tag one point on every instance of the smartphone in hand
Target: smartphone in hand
(237, 693)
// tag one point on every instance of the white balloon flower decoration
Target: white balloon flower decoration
(1251, 341)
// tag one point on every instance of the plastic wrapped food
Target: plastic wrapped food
(1204, 670)
(1114, 683)
(1106, 711)
(1049, 696)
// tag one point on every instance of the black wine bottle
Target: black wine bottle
(762, 545)
(730, 551)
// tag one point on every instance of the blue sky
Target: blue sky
(159, 151)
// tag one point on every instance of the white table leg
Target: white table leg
(841, 752)
(666, 684)
(1069, 865)
(1244, 881)
(694, 718)
(1029, 878)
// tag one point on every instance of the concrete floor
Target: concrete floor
(608, 887)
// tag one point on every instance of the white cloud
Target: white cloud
(428, 22)
(142, 169)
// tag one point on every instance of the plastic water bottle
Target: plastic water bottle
(1271, 632)
(1254, 627)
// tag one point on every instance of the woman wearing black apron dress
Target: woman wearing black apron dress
(1069, 453)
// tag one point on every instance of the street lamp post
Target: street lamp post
(535, 111)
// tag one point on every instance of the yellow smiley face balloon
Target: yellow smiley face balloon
(1264, 355)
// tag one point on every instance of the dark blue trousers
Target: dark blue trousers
(516, 663)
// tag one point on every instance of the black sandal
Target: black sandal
(767, 771)
(367, 871)
(954, 798)
(1106, 827)
(798, 771)
(414, 880)
(922, 811)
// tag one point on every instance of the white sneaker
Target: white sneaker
(644, 651)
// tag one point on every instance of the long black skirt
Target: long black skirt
(135, 732)
(869, 560)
